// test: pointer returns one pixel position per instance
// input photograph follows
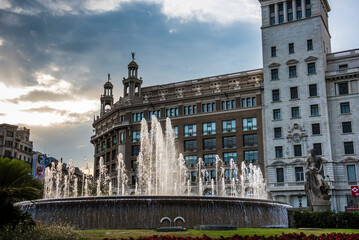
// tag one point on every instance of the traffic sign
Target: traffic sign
(355, 191)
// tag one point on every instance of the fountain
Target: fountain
(164, 188)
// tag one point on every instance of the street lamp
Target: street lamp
(300, 199)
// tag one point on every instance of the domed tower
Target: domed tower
(131, 84)
(107, 97)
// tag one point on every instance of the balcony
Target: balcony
(342, 72)
(343, 54)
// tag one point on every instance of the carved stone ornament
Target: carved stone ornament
(296, 133)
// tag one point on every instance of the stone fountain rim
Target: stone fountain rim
(151, 198)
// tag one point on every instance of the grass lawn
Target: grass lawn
(136, 233)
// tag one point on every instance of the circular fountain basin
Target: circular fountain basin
(118, 212)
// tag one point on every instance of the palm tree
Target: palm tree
(16, 184)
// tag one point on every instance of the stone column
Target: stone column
(294, 9)
(285, 11)
(303, 8)
(276, 15)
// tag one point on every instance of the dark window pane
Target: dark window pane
(297, 150)
(293, 92)
(280, 175)
(348, 148)
(345, 107)
(313, 90)
(343, 88)
(315, 128)
(318, 148)
(347, 127)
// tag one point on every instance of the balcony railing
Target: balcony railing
(342, 72)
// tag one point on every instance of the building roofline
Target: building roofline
(210, 78)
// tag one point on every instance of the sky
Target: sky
(55, 55)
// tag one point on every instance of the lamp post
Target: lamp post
(300, 199)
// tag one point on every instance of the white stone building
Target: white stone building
(304, 92)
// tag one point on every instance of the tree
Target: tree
(16, 184)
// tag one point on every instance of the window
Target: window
(318, 148)
(291, 48)
(114, 154)
(190, 146)
(137, 117)
(277, 132)
(209, 107)
(344, 107)
(191, 161)
(343, 66)
(343, 88)
(229, 126)
(272, 20)
(348, 148)
(189, 110)
(311, 68)
(313, 90)
(315, 128)
(103, 147)
(227, 157)
(299, 174)
(229, 104)
(190, 130)
(275, 95)
(290, 17)
(193, 176)
(276, 114)
(135, 150)
(9, 134)
(308, 11)
(299, 14)
(108, 143)
(309, 44)
(250, 140)
(274, 73)
(248, 102)
(229, 142)
(136, 136)
(209, 128)
(249, 124)
(98, 148)
(280, 175)
(314, 110)
(279, 152)
(209, 159)
(114, 140)
(154, 113)
(122, 137)
(250, 156)
(273, 51)
(351, 172)
(171, 112)
(175, 130)
(293, 93)
(209, 144)
(297, 150)
(292, 71)
(347, 127)
(295, 112)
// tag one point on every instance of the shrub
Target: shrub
(39, 232)
(327, 219)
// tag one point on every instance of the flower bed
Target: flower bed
(291, 236)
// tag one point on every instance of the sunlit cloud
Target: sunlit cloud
(50, 101)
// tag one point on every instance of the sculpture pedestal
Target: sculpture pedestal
(321, 205)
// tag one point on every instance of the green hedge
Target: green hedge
(328, 219)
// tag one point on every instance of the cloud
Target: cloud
(218, 11)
